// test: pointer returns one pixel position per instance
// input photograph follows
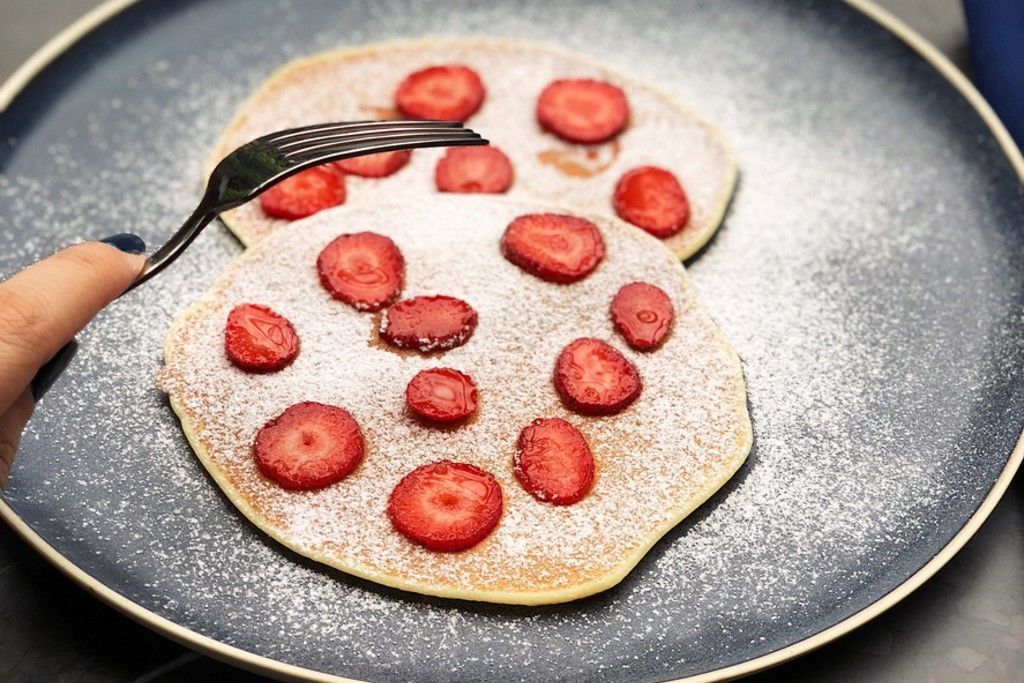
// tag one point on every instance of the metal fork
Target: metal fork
(259, 165)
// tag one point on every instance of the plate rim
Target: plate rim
(64, 40)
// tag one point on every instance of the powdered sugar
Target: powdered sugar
(361, 84)
(868, 274)
(649, 472)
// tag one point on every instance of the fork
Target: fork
(262, 163)
(259, 165)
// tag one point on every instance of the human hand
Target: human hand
(42, 308)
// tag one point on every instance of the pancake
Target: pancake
(684, 436)
(360, 84)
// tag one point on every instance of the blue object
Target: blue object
(53, 369)
(996, 29)
(126, 242)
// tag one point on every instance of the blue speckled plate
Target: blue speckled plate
(868, 273)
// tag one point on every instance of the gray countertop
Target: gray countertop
(965, 624)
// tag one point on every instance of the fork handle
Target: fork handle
(184, 236)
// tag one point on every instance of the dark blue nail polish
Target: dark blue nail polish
(53, 369)
(126, 242)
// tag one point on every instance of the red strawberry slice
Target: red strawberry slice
(583, 110)
(309, 446)
(377, 165)
(441, 395)
(304, 194)
(594, 379)
(257, 339)
(474, 169)
(652, 198)
(428, 323)
(553, 462)
(364, 269)
(553, 247)
(450, 92)
(446, 506)
(643, 314)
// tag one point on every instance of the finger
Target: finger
(45, 305)
(12, 424)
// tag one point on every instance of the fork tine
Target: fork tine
(353, 149)
(307, 139)
(323, 146)
(291, 133)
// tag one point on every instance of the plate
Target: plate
(867, 274)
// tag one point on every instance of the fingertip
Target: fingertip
(132, 249)
(71, 286)
(47, 304)
(107, 270)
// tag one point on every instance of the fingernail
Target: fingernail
(126, 242)
(53, 368)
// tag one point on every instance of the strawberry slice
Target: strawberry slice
(304, 194)
(377, 165)
(553, 247)
(363, 269)
(474, 169)
(446, 506)
(594, 379)
(643, 314)
(309, 446)
(441, 395)
(553, 462)
(428, 323)
(450, 92)
(652, 198)
(583, 110)
(257, 339)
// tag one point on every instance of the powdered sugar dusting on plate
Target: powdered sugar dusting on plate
(868, 275)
